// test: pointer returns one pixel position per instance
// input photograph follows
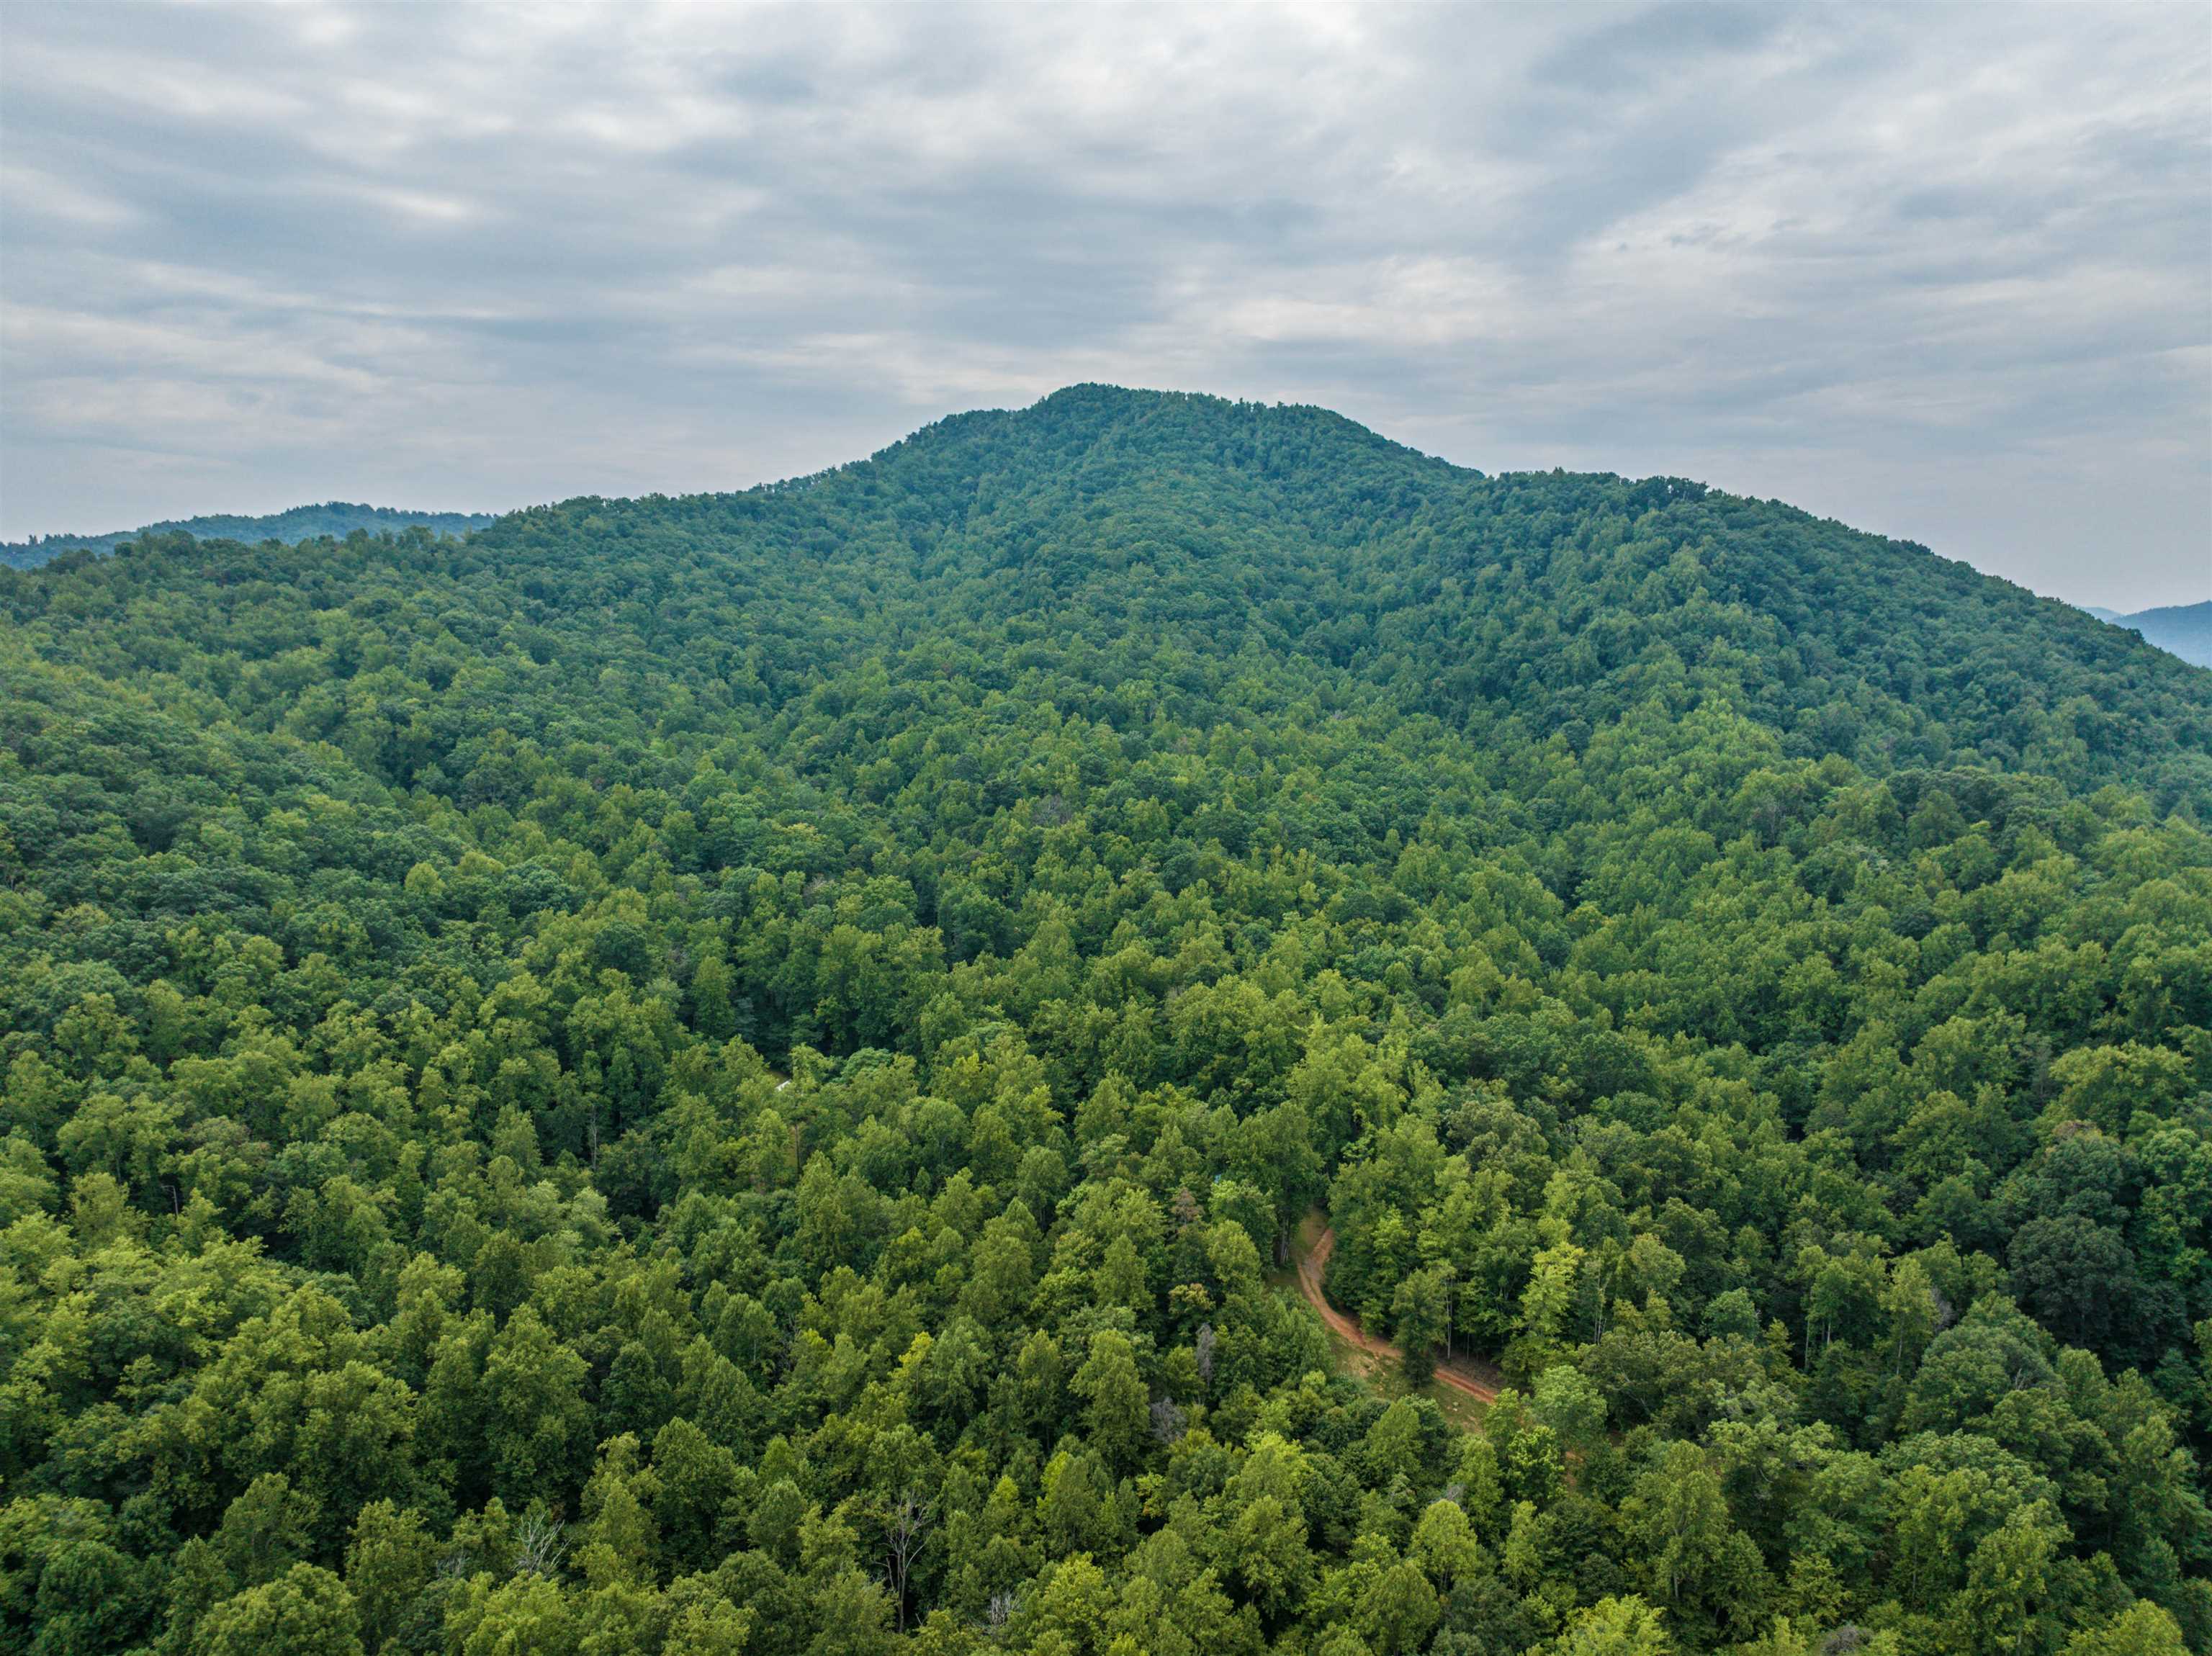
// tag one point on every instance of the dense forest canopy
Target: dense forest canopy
(741, 1074)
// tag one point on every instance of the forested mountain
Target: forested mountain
(2183, 629)
(299, 523)
(739, 1074)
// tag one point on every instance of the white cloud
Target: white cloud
(1941, 271)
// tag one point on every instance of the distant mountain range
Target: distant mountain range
(299, 523)
(2181, 629)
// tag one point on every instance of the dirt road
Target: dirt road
(1460, 1375)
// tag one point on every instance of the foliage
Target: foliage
(735, 1074)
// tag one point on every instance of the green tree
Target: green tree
(1117, 1411)
(305, 1611)
(539, 1423)
(2141, 1629)
(1612, 1627)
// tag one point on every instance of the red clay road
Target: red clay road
(1459, 1376)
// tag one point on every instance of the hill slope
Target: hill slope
(728, 1072)
(1551, 601)
(299, 523)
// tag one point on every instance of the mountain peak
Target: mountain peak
(1093, 431)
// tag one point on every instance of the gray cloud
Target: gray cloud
(1944, 272)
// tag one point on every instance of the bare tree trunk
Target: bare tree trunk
(906, 1533)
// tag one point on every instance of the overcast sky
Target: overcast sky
(1942, 271)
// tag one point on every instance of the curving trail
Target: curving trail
(1460, 1375)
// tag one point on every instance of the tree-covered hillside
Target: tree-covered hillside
(739, 1074)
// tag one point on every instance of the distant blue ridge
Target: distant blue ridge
(300, 522)
(2180, 630)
